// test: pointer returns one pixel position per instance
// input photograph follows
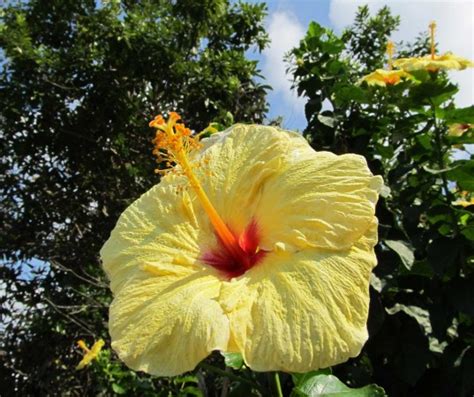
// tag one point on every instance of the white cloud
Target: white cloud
(285, 32)
(455, 31)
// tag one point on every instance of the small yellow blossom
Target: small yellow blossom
(382, 77)
(458, 129)
(433, 62)
(465, 200)
(89, 354)
(270, 257)
(464, 203)
(438, 62)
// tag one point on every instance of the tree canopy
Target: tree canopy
(80, 80)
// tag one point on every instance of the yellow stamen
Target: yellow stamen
(176, 139)
(89, 354)
(390, 49)
(432, 34)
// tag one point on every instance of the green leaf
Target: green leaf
(190, 391)
(463, 115)
(185, 379)
(315, 29)
(432, 92)
(233, 360)
(468, 232)
(118, 389)
(323, 385)
(299, 379)
(404, 251)
(328, 121)
(463, 174)
(347, 93)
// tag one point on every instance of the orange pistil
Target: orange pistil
(432, 26)
(390, 49)
(173, 142)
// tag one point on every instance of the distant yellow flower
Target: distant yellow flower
(458, 129)
(465, 199)
(382, 77)
(253, 243)
(439, 62)
(464, 203)
(433, 62)
(90, 354)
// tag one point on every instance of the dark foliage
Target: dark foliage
(421, 318)
(80, 80)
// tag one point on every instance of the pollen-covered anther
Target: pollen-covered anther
(157, 121)
(172, 141)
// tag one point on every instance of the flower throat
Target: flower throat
(234, 254)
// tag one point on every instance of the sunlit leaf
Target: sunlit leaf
(325, 385)
(404, 251)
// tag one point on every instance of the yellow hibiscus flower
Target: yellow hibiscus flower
(459, 129)
(254, 243)
(464, 203)
(465, 199)
(89, 354)
(382, 77)
(433, 62)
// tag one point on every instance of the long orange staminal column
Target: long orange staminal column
(235, 255)
(391, 78)
(389, 50)
(432, 27)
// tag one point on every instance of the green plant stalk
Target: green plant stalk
(278, 385)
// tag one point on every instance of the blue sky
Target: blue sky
(287, 22)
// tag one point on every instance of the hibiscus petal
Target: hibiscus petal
(298, 197)
(166, 325)
(239, 163)
(326, 202)
(303, 311)
(162, 229)
(164, 318)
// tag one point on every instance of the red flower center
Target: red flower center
(242, 257)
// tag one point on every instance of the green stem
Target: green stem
(278, 385)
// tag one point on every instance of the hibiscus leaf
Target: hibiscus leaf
(118, 389)
(323, 385)
(299, 379)
(233, 360)
(404, 251)
(463, 115)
